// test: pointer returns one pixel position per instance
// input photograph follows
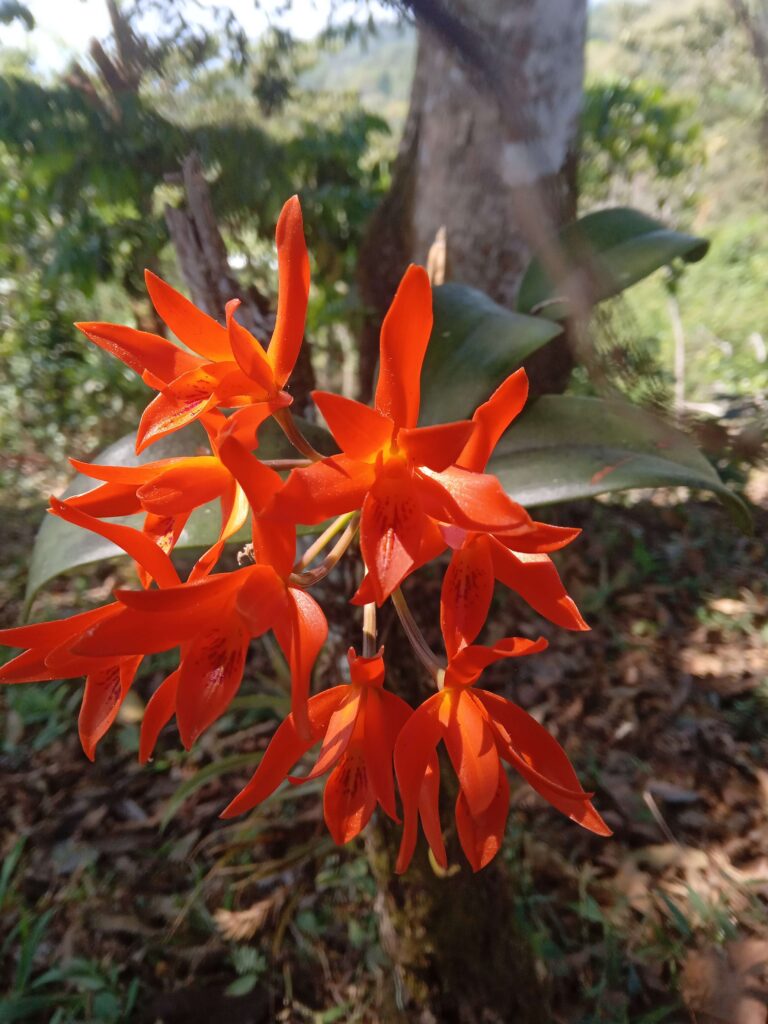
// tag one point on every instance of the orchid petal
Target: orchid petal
(357, 429)
(292, 291)
(404, 338)
(492, 418)
(284, 750)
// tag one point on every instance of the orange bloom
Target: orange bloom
(49, 645)
(359, 724)
(398, 473)
(214, 620)
(480, 730)
(231, 368)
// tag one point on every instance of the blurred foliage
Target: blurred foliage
(631, 129)
(90, 159)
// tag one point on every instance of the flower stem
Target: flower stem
(312, 576)
(290, 429)
(279, 464)
(322, 541)
(369, 630)
(423, 651)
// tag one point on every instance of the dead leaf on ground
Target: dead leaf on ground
(730, 986)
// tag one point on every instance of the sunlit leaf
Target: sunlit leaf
(615, 248)
(566, 447)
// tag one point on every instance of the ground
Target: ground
(123, 897)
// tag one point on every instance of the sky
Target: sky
(64, 27)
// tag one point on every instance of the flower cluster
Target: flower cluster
(411, 492)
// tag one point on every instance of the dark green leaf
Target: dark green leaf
(566, 447)
(475, 343)
(616, 248)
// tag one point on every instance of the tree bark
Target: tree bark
(489, 155)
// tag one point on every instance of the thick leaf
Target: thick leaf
(59, 546)
(566, 447)
(616, 248)
(475, 343)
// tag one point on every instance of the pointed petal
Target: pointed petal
(157, 714)
(131, 632)
(191, 325)
(385, 715)
(339, 733)
(474, 501)
(492, 418)
(262, 599)
(210, 675)
(199, 598)
(136, 544)
(437, 447)
(541, 761)
(540, 539)
(184, 400)
(429, 811)
(466, 594)
(157, 620)
(260, 482)
(243, 425)
(108, 500)
(471, 748)
(184, 486)
(327, 488)
(284, 750)
(481, 835)
(348, 800)
(536, 580)
(391, 529)
(357, 429)
(135, 475)
(301, 635)
(292, 293)
(163, 531)
(105, 691)
(414, 752)
(432, 545)
(141, 351)
(464, 669)
(58, 631)
(30, 667)
(404, 339)
(250, 356)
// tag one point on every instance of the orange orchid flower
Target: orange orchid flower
(214, 620)
(480, 730)
(169, 490)
(411, 491)
(398, 473)
(231, 368)
(358, 724)
(49, 645)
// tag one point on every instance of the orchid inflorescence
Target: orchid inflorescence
(410, 492)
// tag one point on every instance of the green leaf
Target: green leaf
(60, 547)
(566, 447)
(618, 248)
(475, 343)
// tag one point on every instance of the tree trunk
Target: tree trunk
(489, 155)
